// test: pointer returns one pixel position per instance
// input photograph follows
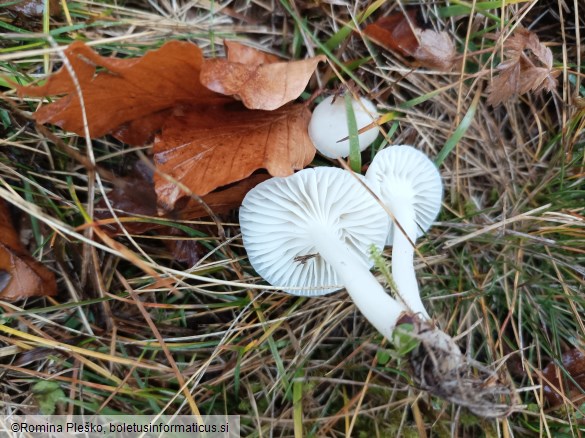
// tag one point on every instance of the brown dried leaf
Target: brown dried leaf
(401, 33)
(504, 85)
(527, 66)
(395, 32)
(257, 80)
(207, 149)
(185, 251)
(134, 196)
(21, 276)
(220, 143)
(223, 200)
(436, 50)
(573, 362)
(128, 90)
(236, 52)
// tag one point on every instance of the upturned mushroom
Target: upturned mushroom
(410, 186)
(310, 234)
(329, 124)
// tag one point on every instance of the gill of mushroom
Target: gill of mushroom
(410, 186)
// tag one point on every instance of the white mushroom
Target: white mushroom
(410, 185)
(329, 124)
(313, 230)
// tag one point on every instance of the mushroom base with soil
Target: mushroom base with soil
(439, 367)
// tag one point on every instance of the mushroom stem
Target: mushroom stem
(368, 295)
(403, 259)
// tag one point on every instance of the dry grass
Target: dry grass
(133, 331)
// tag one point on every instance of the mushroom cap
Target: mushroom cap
(278, 216)
(400, 175)
(328, 125)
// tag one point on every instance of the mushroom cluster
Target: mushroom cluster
(310, 233)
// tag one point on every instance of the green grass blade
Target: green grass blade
(459, 132)
(298, 403)
(355, 157)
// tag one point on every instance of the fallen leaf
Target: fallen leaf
(183, 249)
(573, 387)
(134, 200)
(436, 50)
(236, 52)
(527, 66)
(21, 275)
(402, 33)
(126, 90)
(223, 200)
(395, 32)
(258, 80)
(206, 149)
(208, 140)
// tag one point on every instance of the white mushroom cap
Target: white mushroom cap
(279, 216)
(328, 125)
(403, 175)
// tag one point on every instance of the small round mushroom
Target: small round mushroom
(310, 233)
(410, 186)
(328, 125)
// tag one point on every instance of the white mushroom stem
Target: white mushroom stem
(403, 259)
(367, 294)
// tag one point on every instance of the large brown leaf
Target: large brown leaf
(128, 91)
(208, 140)
(205, 149)
(21, 276)
(256, 78)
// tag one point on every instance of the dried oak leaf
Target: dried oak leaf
(208, 148)
(527, 66)
(129, 97)
(401, 33)
(222, 143)
(21, 276)
(236, 52)
(259, 80)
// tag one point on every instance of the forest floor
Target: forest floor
(169, 316)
